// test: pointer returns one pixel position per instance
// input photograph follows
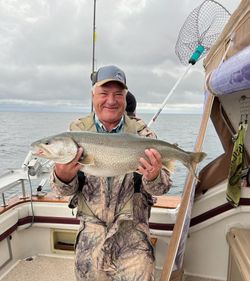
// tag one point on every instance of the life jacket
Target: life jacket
(77, 200)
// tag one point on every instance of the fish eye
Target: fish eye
(47, 142)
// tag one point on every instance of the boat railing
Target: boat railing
(10, 185)
(33, 170)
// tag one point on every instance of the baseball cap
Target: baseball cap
(109, 73)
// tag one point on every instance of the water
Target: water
(19, 129)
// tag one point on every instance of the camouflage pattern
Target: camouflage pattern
(113, 241)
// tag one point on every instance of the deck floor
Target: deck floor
(42, 268)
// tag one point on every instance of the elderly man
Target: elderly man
(113, 240)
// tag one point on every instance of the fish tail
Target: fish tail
(195, 157)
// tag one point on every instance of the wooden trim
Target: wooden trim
(161, 226)
(164, 201)
(65, 220)
(8, 232)
(38, 219)
(50, 198)
(217, 170)
(44, 219)
(217, 211)
(187, 200)
(169, 202)
(157, 226)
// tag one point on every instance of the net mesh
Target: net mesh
(202, 27)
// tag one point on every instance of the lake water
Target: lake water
(19, 129)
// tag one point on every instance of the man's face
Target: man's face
(109, 101)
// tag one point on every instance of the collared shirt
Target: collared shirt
(101, 128)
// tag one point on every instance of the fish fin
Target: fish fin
(169, 165)
(87, 160)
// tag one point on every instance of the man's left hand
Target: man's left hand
(151, 167)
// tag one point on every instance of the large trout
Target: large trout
(109, 155)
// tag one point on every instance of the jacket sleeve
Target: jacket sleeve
(163, 182)
(61, 188)
(160, 185)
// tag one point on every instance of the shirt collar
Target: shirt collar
(101, 128)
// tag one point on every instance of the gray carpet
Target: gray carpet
(42, 268)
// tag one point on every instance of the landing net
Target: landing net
(201, 28)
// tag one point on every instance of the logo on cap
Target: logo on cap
(118, 76)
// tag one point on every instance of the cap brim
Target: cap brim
(101, 83)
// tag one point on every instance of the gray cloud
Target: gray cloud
(46, 48)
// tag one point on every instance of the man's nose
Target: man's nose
(111, 98)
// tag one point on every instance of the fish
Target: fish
(109, 155)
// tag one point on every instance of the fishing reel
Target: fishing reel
(36, 166)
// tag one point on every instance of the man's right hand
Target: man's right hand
(66, 172)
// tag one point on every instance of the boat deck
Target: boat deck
(42, 268)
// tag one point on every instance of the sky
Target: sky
(46, 52)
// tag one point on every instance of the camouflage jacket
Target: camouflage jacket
(108, 202)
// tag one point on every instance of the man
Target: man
(113, 240)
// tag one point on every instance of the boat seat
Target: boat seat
(239, 254)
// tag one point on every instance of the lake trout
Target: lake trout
(109, 155)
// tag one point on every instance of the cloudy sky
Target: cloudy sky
(46, 51)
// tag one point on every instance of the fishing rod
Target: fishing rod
(93, 47)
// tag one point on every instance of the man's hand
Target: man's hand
(150, 168)
(66, 172)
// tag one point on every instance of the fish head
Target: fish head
(60, 148)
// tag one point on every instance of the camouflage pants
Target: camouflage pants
(126, 256)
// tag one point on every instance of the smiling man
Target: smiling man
(113, 242)
(109, 96)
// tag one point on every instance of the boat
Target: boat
(37, 231)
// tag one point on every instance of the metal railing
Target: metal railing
(33, 170)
